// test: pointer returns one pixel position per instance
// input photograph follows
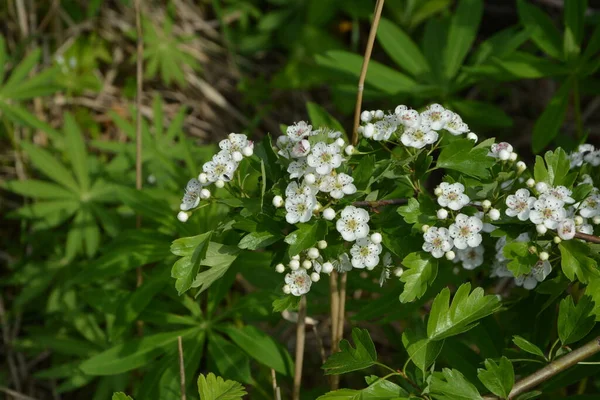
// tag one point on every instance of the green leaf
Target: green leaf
(378, 389)
(262, 348)
(463, 30)
(350, 359)
(215, 388)
(593, 290)
(264, 151)
(50, 166)
(288, 302)
(461, 156)
(448, 320)
(229, 359)
(498, 378)
(186, 269)
(543, 32)
(422, 351)
(521, 259)
(305, 236)
(37, 189)
(219, 258)
(133, 354)
(258, 240)
(400, 47)
(450, 384)
(411, 211)
(574, 25)
(550, 122)
(575, 261)
(479, 113)
(421, 270)
(527, 346)
(320, 118)
(575, 321)
(120, 396)
(76, 150)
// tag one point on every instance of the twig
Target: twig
(334, 304)
(6, 338)
(16, 395)
(587, 238)
(319, 343)
(300, 340)
(276, 390)
(363, 70)
(342, 307)
(22, 15)
(380, 203)
(553, 368)
(181, 367)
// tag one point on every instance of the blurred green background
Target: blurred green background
(520, 71)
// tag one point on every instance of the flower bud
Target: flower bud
(557, 240)
(313, 253)
(310, 179)
(322, 244)
(541, 187)
(530, 182)
(328, 214)
(317, 207)
(425, 228)
(219, 183)
(486, 204)
(307, 264)
(450, 255)
(521, 166)
(202, 178)
(296, 257)
(349, 150)
(379, 114)
(376, 238)
(369, 131)
(438, 191)
(398, 272)
(183, 216)
(578, 220)
(532, 250)
(503, 155)
(280, 268)
(287, 289)
(472, 136)
(237, 156)
(494, 214)
(248, 151)
(513, 156)
(442, 213)
(340, 142)
(544, 256)
(294, 265)
(541, 229)
(204, 194)
(278, 201)
(315, 277)
(596, 220)
(327, 267)
(365, 116)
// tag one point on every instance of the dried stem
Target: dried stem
(276, 390)
(334, 302)
(181, 367)
(553, 368)
(300, 340)
(363, 70)
(319, 343)
(342, 307)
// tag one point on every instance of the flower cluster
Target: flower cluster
(585, 153)
(298, 280)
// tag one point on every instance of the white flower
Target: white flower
(542, 187)
(191, 198)
(452, 196)
(293, 189)
(419, 136)
(299, 282)
(299, 208)
(408, 118)
(590, 207)
(300, 149)
(353, 223)
(566, 229)
(585, 228)
(437, 241)
(383, 129)
(465, 231)
(343, 263)
(221, 167)
(341, 184)
(299, 168)
(498, 147)
(538, 273)
(234, 143)
(365, 253)
(298, 131)
(561, 193)
(324, 158)
(593, 158)
(471, 257)
(456, 126)
(548, 211)
(500, 270)
(434, 116)
(520, 204)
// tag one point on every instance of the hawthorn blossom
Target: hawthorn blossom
(299, 282)
(471, 257)
(452, 196)
(465, 231)
(538, 273)
(408, 118)
(365, 253)
(298, 131)
(299, 208)
(419, 137)
(299, 168)
(548, 211)
(435, 116)
(221, 167)
(456, 126)
(593, 158)
(353, 223)
(590, 207)
(561, 193)
(343, 263)
(300, 149)
(341, 184)
(437, 241)
(235, 142)
(566, 229)
(500, 147)
(191, 198)
(324, 158)
(383, 129)
(520, 204)
(293, 189)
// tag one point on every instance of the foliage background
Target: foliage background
(527, 74)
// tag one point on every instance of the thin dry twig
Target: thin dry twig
(319, 343)
(15, 395)
(363, 70)
(276, 389)
(300, 341)
(181, 367)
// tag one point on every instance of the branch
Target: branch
(363, 70)
(553, 368)
(300, 340)
(587, 238)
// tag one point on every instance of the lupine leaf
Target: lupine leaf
(575, 321)
(447, 320)
(549, 123)
(400, 47)
(211, 387)
(463, 30)
(350, 359)
(229, 359)
(544, 34)
(498, 378)
(450, 384)
(50, 166)
(574, 25)
(420, 272)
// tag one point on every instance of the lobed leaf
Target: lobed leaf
(211, 387)
(350, 359)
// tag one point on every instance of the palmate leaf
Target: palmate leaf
(450, 384)
(447, 320)
(350, 358)
(230, 360)
(211, 387)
